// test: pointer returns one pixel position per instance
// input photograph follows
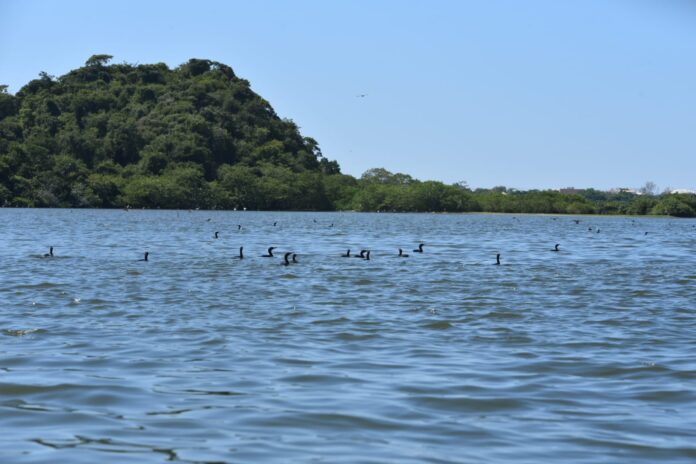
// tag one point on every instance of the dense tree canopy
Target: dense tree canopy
(115, 135)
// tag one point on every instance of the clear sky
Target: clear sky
(526, 94)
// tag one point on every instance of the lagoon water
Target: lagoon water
(584, 355)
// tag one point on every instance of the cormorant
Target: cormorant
(555, 248)
(285, 259)
(147, 253)
(420, 249)
(270, 253)
(347, 255)
(216, 234)
(402, 254)
(497, 259)
(294, 258)
(49, 254)
(361, 255)
(241, 254)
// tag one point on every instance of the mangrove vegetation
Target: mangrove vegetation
(123, 135)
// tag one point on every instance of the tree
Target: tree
(98, 60)
(650, 188)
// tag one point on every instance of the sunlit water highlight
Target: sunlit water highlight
(581, 355)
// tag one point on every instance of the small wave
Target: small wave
(338, 321)
(465, 403)
(438, 325)
(322, 379)
(21, 332)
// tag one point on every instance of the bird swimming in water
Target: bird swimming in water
(274, 224)
(598, 230)
(217, 234)
(367, 256)
(147, 253)
(49, 254)
(241, 254)
(270, 253)
(420, 248)
(294, 258)
(347, 254)
(555, 248)
(239, 227)
(285, 259)
(402, 254)
(497, 259)
(361, 255)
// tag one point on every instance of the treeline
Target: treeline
(197, 136)
(380, 190)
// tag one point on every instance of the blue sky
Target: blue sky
(527, 94)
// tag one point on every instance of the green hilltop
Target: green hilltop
(116, 135)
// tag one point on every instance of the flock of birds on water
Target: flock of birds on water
(291, 257)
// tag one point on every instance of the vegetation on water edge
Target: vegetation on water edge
(197, 136)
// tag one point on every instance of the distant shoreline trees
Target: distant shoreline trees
(116, 135)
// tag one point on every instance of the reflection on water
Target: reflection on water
(580, 355)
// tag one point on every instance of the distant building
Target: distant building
(692, 192)
(571, 190)
(626, 190)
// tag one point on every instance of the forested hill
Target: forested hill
(116, 135)
(146, 135)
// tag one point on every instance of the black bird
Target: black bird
(285, 259)
(147, 253)
(49, 254)
(274, 224)
(239, 227)
(207, 220)
(645, 233)
(555, 248)
(597, 230)
(497, 259)
(420, 249)
(294, 258)
(367, 256)
(361, 255)
(402, 254)
(347, 255)
(216, 234)
(241, 254)
(270, 253)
